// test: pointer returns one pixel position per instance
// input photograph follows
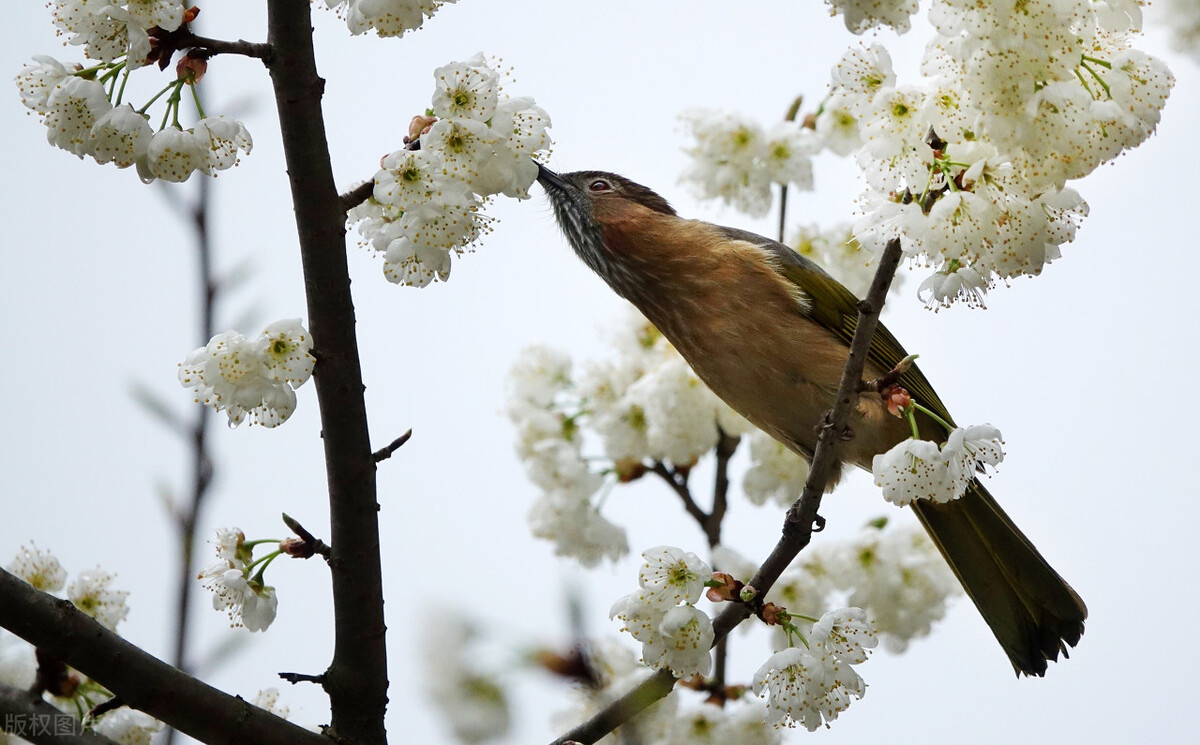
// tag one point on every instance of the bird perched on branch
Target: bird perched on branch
(769, 332)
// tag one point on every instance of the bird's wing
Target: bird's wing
(835, 308)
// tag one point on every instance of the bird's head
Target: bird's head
(602, 215)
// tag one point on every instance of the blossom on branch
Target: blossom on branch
(255, 376)
(736, 160)
(385, 17)
(921, 469)
(969, 171)
(237, 584)
(811, 686)
(675, 635)
(90, 592)
(39, 568)
(428, 200)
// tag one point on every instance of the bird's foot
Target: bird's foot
(845, 434)
(878, 385)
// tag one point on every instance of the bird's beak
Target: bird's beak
(548, 178)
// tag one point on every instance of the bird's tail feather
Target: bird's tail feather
(1032, 611)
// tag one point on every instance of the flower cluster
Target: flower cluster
(428, 198)
(734, 159)
(82, 107)
(895, 574)
(244, 596)
(812, 685)
(970, 170)
(90, 592)
(111, 29)
(255, 376)
(675, 634)
(386, 17)
(921, 469)
(550, 445)
(646, 407)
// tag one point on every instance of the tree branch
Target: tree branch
(726, 446)
(357, 195)
(799, 524)
(145, 682)
(218, 46)
(357, 677)
(685, 494)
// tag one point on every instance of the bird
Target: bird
(769, 331)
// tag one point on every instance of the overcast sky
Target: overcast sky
(1088, 370)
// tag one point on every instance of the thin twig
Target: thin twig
(187, 39)
(385, 453)
(309, 543)
(295, 678)
(102, 708)
(792, 112)
(357, 195)
(681, 488)
(726, 446)
(799, 524)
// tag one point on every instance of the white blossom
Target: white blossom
(226, 137)
(920, 469)
(72, 109)
(385, 17)
(36, 82)
(247, 602)
(680, 412)
(682, 644)
(254, 376)
(813, 685)
(120, 136)
(466, 90)
(576, 528)
(775, 472)
(427, 203)
(39, 568)
(846, 633)
(1020, 103)
(863, 15)
(126, 726)
(174, 154)
(794, 681)
(268, 699)
(669, 576)
(897, 576)
(90, 592)
(735, 160)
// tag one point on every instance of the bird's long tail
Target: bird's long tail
(1032, 611)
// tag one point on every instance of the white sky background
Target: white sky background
(1087, 370)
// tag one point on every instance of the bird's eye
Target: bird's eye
(599, 185)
